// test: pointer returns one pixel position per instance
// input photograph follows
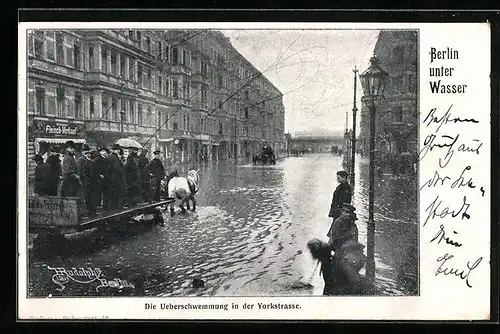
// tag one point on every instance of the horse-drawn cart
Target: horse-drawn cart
(265, 157)
(54, 216)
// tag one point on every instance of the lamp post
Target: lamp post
(373, 84)
(353, 140)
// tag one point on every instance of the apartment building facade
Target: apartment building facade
(396, 122)
(189, 93)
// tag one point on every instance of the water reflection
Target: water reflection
(248, 236)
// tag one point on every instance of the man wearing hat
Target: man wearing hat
(99, 176)
(54, 162)
(115, 187)
(344, 227)
(133, 178)
(85, 170)
(71, 185)
(43, 177)
(341, 195)
(157, 173)
(142, 164)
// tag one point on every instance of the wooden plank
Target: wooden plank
(133, 211)
(54, 211)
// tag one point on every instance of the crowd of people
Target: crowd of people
(104, 177)
(342, 256)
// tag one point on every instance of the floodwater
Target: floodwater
(247, 238)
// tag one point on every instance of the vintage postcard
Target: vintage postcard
(254, 171)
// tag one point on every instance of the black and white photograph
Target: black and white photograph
(217, 162)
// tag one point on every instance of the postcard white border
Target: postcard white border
(437, 300)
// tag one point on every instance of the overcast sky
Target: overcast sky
(312, 68)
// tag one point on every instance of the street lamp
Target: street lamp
(122, 115)
(353, 140)
(373, 83)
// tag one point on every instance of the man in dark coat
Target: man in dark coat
(54, 161)
(115, 187)
(156, 172)
(71, 185)
(43, 177)
(341, 271)
(98, 180)
(85, 170)
(341, 195)
(133, 178)
(142, 164)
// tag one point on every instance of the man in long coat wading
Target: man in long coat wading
(157, 172)
(341, 195)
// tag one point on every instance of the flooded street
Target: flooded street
(247, 237)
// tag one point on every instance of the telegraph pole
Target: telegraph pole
(353, 141)
(346, 142)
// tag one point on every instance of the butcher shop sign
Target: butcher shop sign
(57, 129)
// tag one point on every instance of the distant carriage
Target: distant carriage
(265, 157)
(334, 150)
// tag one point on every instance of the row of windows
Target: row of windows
(64, 50)
(60, 105)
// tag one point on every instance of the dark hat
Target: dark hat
(38, 158)
(70, 143)
(156, 152)
(103, 149)
(116, 147)
(85, 148)
(348, 207)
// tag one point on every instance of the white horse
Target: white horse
(183, 189)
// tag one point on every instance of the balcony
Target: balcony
(121, 38)
(176, 134)
(197, 77)
(115, 126)
(147, 93)
(55, 68)
(180, 69)
(105, 78)
(163, 99)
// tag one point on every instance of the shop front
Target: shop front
(45, 135)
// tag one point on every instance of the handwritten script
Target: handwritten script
(451, 136)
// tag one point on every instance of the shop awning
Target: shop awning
(205, 142)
